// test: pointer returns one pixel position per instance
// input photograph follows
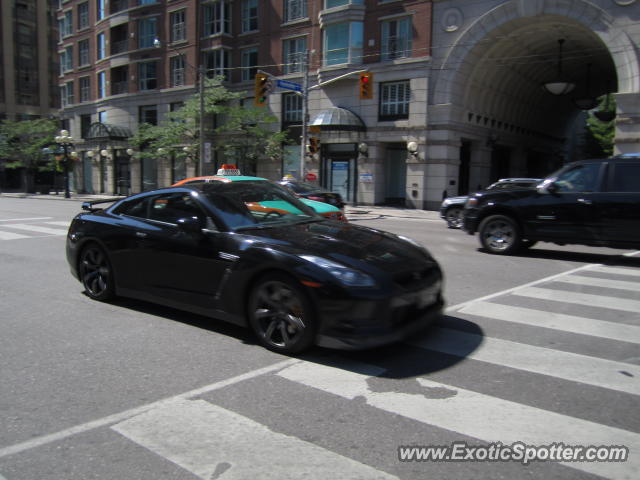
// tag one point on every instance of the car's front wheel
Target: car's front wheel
(96, 273)
(280, 314)
(500, 234)
(454, 217)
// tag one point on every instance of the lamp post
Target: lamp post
(65, 141)
(200, 70)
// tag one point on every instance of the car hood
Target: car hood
(348, 244)
(505, 195)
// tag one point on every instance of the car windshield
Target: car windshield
(301, 187)
(256, 204)
(513, 184)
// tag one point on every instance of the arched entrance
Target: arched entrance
(486, 86)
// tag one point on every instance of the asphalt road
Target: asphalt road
(539, 348)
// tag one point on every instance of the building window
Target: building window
(100, 47)
(293, 54)
(249, 15)
(178, 26)
(147, 32)
(102, 84)
(85, 125)
(217, 63)
(149, 114)
(343, 43)
(147, 2)
(83, 15)
(249, 63)
(177, 71)
(85, 89)
(66, 94)
(147, 74)
(217, 17)
(291, 108)
(294, 10)
(102, 116)
(339, 3)
(394, 100)
(66, 24)
(175, 106)
(396, 38)
(119, 80)
(66, 60)
(83, 53)
(100, 9)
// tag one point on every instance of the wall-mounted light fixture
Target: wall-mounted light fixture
(412, 148)
(363, 148)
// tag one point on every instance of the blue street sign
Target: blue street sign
(289, 85)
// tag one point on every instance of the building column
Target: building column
(480, 168)
(627, 123)
(371, 175)
(95, 174)
(441, 172)
(135, 171)
(109, 174)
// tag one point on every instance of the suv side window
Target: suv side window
(581, 178)
(625, 178)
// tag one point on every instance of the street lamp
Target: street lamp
(65, 141)
(200, 70)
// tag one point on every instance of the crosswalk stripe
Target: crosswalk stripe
(11, 236)
(566, 365)
(212, 442)
(62, 224)
(555, 321)
(600, 282)
(474, 414)
(36, 228)
(619, 271)
(614, 303)
(23, 219)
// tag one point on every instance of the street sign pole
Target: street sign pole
(305, 112)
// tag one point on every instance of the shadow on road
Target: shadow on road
(619, 260)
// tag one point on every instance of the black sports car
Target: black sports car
(312, 192)
(252, 254)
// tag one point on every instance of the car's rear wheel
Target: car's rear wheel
(280, 314)
(500, 234)
(454, 217)
(96, 273)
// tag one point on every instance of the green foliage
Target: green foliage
(21, 143)
(600, 135)
(242, 132)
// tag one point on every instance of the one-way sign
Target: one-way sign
(289, 85)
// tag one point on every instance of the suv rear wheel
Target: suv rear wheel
(500, 234)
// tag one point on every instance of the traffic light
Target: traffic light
(261, 89)
(366, 86)
(313, 145)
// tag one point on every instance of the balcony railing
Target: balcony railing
(119, 87)
(119, 46)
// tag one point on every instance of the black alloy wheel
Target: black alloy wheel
(96, 273)
(454, 217)
(500, 235)
(280, 314)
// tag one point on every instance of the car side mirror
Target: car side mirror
(545, 187)
(191, 225)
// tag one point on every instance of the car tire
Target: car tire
(96, 273)
(280, 314)
(500, 235)
(454, 217)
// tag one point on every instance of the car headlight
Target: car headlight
(472, 202)
(347, 276)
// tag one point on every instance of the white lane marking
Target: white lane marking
(531, 284)
(23, 219)
(545, 361)
(11, 236)
(601, 282)
(118, 417)
(62, 224)
(602, 301)
(213, 442)
(476, 415)
(618, 271)
(555, 321)
(36, 228)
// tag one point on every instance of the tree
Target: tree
(21, 144)
(599, 139)
(242, 133)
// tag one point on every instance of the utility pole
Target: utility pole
(305, 111)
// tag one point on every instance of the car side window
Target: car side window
(581, 178)
(170, 207)
(134, 208)
(626, 178)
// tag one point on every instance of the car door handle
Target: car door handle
(141, 235)
(584, 201)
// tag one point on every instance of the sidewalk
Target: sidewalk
(364, 212)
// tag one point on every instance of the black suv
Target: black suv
(591, 202)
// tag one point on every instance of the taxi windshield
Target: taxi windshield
(256, 204)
